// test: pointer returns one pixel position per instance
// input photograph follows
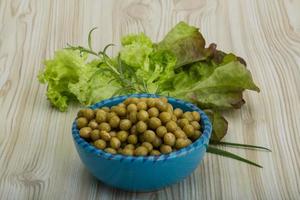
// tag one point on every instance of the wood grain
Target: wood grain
(37, 156)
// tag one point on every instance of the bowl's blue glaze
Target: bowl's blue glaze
(143, 173)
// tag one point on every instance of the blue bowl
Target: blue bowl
(143, 173)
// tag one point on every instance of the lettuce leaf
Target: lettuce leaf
(185, 42)
(136, 50)
(217, 87)
(63, 69)
(71, 78)
(95, 84)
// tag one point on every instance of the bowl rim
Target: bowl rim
(200, 142)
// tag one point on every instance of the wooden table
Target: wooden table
(37, 156)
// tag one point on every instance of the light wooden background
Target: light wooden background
(37, 156)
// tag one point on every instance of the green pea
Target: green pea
(141, 105)
(115, 143)
(165, 149)
(161, 131)
(105, 135)
(196, 125)
(149, 136)
(154, 153)
(189, 130)
(125, 124)
(171, 126)
(161, 106)
(141, 151)
(104, 127)
(114, 121)
(110, 150)
(132, 108)
(100, 144)
(157, 142)
(165, 117)
(154, 123)
(196, 115)
(128, 152)
(101, 116)
(122, 135)
(88, 113)
(82, 122)
(141, 127)
(148, 146)
(183, 122)
(169, 139)
(178, 112)
(153, 112)
(181, 143)
(142, 115)
(93, 124)
(95, 135)
(132, 139)
(85, 132)
(129, 146)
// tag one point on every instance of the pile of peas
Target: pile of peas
(139, 127)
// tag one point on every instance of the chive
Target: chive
(227, 154)
(252, 147)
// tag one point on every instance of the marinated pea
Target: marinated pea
(110, 150)
(129, 146)
(154, 123)
(142, 115)
(100, 144)
(189, 130)
(161, 131)
(132, 108)
(105, 135)
(196, 115)
(125, 124)
(93, 124)
(149, 136)
(122, 135)
(114, 121)
(165, 149)
(85, 132)
(154, 153)
(180, 134)
(88, 113)
(141, 105)
(169, 139)
(128, 152)
(188, 115)
(148, 145)
(104, 127)
(141, 151)
(82, 122)
(157, 142)
(115, 143)
(141, 127)
(183, 122)
(133, 130)
(132, 139)
(161, 106)
(178, 112)
(171, 126)
(165, 117)
(95, 135)
(101, 116)
(196, 125)
(181, 143)
(133, 117)
(153, 112)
